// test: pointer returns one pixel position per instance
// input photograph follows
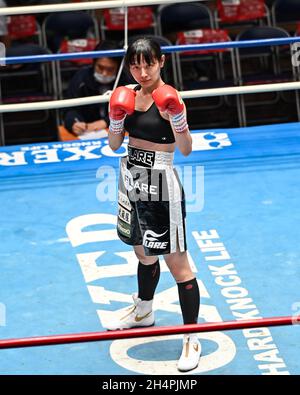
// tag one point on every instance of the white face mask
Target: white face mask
(104, 79)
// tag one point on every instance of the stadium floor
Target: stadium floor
(63, 269)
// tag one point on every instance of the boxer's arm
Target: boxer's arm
(115, 140)
(183, 140)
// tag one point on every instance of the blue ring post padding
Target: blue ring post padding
(166, 49)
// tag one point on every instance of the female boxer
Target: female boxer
(151, 200)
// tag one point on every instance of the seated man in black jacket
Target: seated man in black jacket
(91, 81)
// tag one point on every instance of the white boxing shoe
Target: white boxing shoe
(190, 355)
(138, 315)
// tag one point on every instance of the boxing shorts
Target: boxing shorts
(151, 204)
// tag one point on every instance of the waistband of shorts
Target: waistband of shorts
(151, 159)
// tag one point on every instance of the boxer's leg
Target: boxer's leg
(188, 289)
(140, 314)
(189, 298)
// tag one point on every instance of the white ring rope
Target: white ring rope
(92, 5)
(125, 46)
(55, 104)
(235, 90)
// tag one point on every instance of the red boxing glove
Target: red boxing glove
(167, 99)
(121, 103)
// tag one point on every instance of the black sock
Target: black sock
(148, 276)
(189, 298)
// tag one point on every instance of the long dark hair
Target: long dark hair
(146, 48)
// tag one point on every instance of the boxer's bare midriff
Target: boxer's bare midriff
(148, 145)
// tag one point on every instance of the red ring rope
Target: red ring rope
(144, 332)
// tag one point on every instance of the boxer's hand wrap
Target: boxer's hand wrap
(168, 100)
(179, 122)
(121, 103)
(116, 126)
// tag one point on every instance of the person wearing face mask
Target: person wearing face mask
(91, 81)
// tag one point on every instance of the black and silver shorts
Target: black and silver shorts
(151, 202)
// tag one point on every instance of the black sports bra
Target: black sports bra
(149, 125)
